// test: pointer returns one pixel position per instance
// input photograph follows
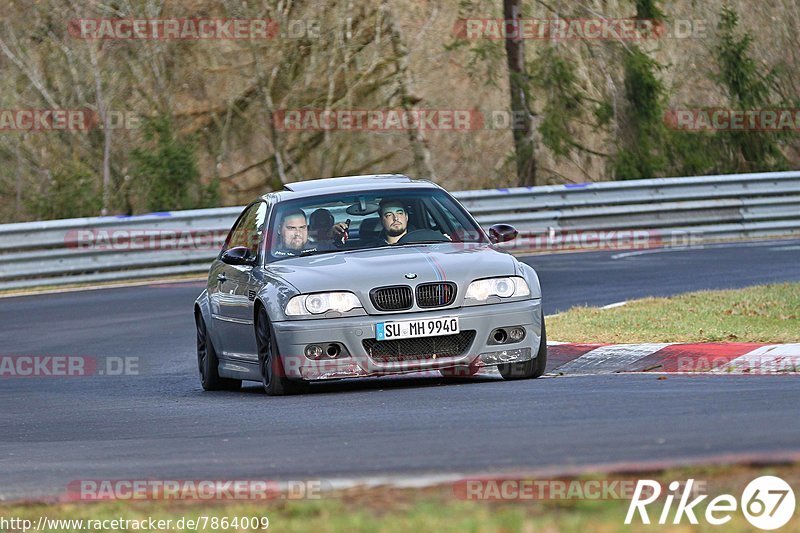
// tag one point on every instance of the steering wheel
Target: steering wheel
(422, 235)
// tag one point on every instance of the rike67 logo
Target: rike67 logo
(767, 502)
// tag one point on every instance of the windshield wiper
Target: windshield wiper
(425, 242)
(349, 250)
(336, 250)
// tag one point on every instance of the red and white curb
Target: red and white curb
(716, 358)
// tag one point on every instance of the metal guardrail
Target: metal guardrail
(716, 207)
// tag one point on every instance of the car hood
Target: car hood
(360, 271)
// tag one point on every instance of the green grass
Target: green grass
(337, 515)
(432, 509)
(768, 313)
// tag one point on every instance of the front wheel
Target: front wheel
(528, 369)
(208, 363)
(273, 376)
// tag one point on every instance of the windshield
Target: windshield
(358, 221)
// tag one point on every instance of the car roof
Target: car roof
(301, 189)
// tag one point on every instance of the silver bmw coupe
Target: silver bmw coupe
(365, 276)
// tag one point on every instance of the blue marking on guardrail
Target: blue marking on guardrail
(157, 214)
(576, 185)
(502, 189)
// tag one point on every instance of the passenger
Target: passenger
(293, 236)
(320, 226)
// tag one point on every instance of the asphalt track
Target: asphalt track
(159, 424)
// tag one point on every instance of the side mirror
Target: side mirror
(502, 233)
(238, 255)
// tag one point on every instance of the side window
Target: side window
(258, 229)
(451, 219)
(249, 229)
(431, 222)
(455, 219)
(417, 214)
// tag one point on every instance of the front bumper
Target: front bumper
(293, 336)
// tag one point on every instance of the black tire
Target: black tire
(208, 363)
(531, 369)
(273, 377)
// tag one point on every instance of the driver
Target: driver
(394, 219)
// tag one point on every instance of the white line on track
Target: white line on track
(554, 472)
(124, 285)
(745, 244)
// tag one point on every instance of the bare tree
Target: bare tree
(524, 142)
(423, 165)
(103, 113)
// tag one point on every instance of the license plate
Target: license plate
(409, 329)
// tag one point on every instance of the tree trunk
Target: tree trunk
(102, 111)
(522, 118)
(423, 165)
(18, 180)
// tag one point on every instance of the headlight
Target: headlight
(482, 289)
(322, 302)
